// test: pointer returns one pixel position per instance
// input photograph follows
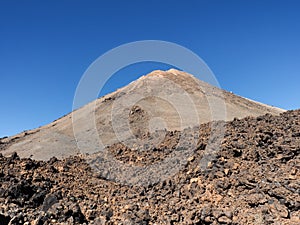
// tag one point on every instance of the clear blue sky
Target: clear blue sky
(253, 47)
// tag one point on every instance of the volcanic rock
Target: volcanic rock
(261, 185)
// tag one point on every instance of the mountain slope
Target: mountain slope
(171, 100)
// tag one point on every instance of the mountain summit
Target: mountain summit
(161, 100)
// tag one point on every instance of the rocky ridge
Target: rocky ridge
(253, 179)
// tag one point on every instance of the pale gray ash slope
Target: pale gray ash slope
(57, 138)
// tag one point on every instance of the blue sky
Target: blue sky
(252, 47)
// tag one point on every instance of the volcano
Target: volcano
(170, 100)
(106, 163)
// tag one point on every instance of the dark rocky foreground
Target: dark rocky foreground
(253, 179)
